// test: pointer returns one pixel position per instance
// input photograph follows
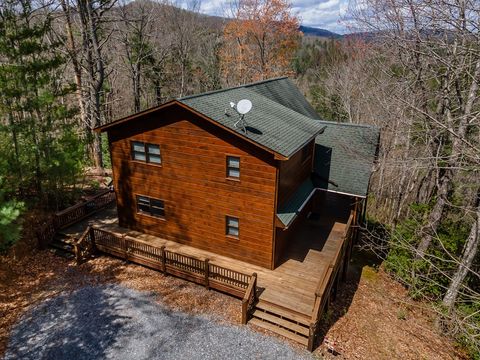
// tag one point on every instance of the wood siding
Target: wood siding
(293, 172)
(192, 182)
(284, 237)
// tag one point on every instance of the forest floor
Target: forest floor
(372, 317)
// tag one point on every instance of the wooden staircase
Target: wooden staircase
(62, 245)
(282, 321)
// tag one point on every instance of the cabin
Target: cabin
(184, 172)
(275, 190)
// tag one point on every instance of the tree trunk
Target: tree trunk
(158, 91)
(446, 181)
(77, 70)
(97, 152)
(90, 22)
(136, 87)
(436, 214)
(469, 251)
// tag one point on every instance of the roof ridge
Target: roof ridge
(231, 88)
(346, 124)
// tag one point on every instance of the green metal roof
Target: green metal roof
(280, 118)
(287, 213)
(285, 92)
(344, 156)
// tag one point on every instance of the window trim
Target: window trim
(146, 153)
(236, 237)
(227, 168)
(149, 214)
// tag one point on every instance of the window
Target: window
(233, 167)
(232, 228)
(149, 206)
(149, 153)
(305, 153)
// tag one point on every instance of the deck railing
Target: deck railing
(81, 210)
(249, 299)
(324, 286)
(72, 215)
(84, 247)
(191, 268)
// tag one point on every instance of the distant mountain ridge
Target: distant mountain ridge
(312, 31)
(219, 21)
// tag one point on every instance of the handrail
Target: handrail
(72, 215)
(83, 203)
(325, 283)
(249, 298)
(79, 244)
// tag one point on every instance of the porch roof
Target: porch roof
(289, 211)
(344, 157)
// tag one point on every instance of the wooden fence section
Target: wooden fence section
(73, 214)
(200, 271)
(330, 275)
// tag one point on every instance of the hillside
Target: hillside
(312, 31)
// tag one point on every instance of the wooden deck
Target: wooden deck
(291, 285)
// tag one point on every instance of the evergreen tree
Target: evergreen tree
(35, 120)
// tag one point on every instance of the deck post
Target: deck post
(127, 248)
(335, 286)
(207, 273)
(311, 337)
(94, 245)
(77, 253)
(164, 260)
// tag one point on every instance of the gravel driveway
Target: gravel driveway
(114, 322)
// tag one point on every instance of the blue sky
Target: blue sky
(323, 14)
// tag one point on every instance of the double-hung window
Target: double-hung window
(233, 167)
(232, 226)
(146, 152)
(150, 206)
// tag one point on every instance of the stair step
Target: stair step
(280, 331)
(289, 325)
(283, 312)
(60, 245)
(64, 238)
(62, 253)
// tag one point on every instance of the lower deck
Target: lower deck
(305, 261)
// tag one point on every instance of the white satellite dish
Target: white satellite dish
(244, 106)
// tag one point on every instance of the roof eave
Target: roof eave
(125, 119)
(106, 127)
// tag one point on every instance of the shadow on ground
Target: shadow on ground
(114, 322)
(360, 260)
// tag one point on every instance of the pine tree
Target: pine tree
(32, 98)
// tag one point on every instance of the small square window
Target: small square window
(153, 152)
(233, 167)
(232, 226)
(138, 151)
(157, 207)
(154, 207)
(143, 204)
(149, 153)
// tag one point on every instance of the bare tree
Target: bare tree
(465, 264)
(186, 34)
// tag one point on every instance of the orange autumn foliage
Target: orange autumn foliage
(260, 42)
